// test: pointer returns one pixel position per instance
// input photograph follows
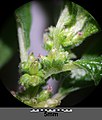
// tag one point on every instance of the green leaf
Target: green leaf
(73, 26)
(87, 72)
(73, 84)
(92, 67)
(23, 18)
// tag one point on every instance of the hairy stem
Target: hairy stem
(23, 53)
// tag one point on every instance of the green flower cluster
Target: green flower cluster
(55, 59)
(32, 73)
(73, 26)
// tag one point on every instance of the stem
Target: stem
(23, 53)
(55, 100)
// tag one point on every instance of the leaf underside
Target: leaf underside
(23, 18)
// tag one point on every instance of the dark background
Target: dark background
(6, 9)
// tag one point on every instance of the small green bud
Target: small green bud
(48, 43)
(33, 69)
(36, 80)
(24, 67)
(31, 58)
(57, 64)
(44, 95)
(26, 80)
(46, 62)
(41, 73)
